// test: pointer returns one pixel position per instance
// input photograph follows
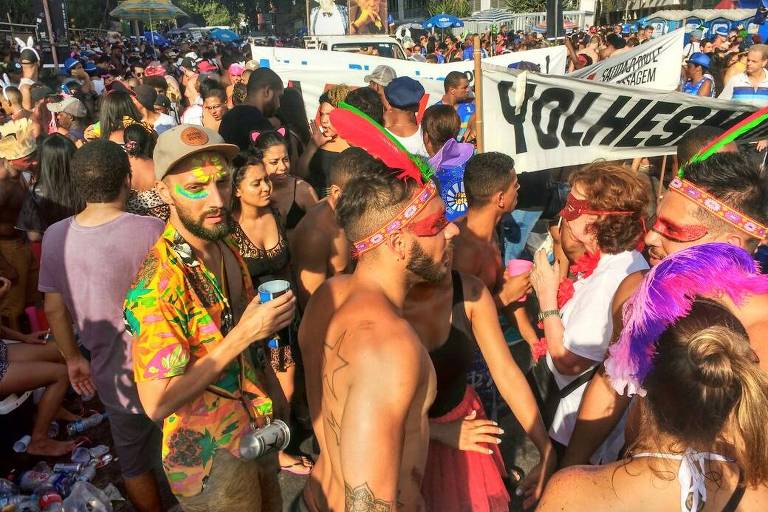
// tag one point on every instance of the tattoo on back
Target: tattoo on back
(361, 499)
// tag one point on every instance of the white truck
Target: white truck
(383, 46)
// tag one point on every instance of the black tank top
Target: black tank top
(453, 358)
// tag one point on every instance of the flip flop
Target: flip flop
(304, 464)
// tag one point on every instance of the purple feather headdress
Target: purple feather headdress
(666, 295)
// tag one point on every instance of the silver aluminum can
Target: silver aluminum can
(271, 438)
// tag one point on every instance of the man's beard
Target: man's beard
(195, 226)
(425, 268)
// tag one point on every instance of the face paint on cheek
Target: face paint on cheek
(202, 194)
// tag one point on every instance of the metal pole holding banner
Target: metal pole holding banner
(661, 178)
(478, 93)
(48, 23)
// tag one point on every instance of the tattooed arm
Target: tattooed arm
(384, 376)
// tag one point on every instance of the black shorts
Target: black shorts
(137, 442)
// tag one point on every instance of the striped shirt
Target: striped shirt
(740, 89)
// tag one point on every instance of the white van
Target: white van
(385, 46)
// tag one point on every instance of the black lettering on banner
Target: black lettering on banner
(677, 127)
(646, 124)
(563, 98)
(506, 89)
(616, 123)
(571, 138)
(631, 67)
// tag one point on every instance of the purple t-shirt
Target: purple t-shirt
(93, 268)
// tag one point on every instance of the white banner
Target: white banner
(545, 121)
(653, 65)
(314, 69)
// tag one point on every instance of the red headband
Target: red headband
(399, 221)
(722, 211)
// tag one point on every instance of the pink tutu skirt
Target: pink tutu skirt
(464, 481)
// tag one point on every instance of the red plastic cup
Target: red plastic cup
(517, 267)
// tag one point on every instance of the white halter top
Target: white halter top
(691, 475)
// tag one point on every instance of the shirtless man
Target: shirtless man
(17, 156)
(319, 248)
(682, 222)
(491, 186)
(370, 383)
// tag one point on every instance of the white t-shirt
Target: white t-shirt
(193, 115)
(414, 143)
(588, 329)
(163, 123)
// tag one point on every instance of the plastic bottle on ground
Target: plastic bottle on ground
(80, 426)
(22, 444)
(86, 497)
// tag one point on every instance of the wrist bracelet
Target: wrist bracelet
(548, 313)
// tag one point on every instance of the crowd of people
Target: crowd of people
(149, 202)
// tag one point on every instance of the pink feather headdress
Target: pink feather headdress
(666, 295)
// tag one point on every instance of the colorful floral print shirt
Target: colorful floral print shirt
(177, 312)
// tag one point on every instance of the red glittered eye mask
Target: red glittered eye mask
(575, 208)
(429, 226)
(677, 232)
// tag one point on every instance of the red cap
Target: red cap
(206, 67)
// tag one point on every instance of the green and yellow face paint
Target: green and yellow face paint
(205, 168)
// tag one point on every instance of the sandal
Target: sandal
(305, 465)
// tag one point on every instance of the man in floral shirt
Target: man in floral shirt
(192, 317)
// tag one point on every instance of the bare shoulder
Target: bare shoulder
(380, 335)
(472, 286)
(579, 488)
(628, 287)
(305, 191)
(314, 224)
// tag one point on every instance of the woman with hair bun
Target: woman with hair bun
(702, 444)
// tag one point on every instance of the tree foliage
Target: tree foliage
(523, 6)
(459, 8)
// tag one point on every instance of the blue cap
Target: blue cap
(699, 59)
(721, 31)
(70, 63)
(90, 67)
(404, 92)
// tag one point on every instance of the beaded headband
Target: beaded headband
(735, 218)
(399, 221)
